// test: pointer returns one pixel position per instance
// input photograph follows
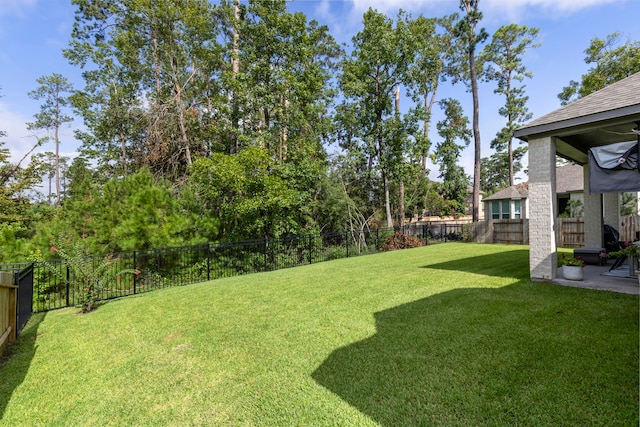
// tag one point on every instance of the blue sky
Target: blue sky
(33, 33)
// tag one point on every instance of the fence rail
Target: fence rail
(57, 284)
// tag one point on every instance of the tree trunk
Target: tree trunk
(387, 200)
(476, 136)
(235, 108)
(57, 140)
(401, 184)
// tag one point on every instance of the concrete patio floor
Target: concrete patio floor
(597, 277)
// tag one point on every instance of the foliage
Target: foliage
(246, 193)
(628, 249)
(494, 167)
(565, 259)
(135, 212)
(91, 276)
(178, 89)
(574, 209)
(447, 154)
(612, 61)
(503, 56)
(54, 90)
(628, 204)
(149, 67)
(372, 125)
(400, 241)
(469, 37)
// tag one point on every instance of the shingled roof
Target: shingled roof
(519, 191)
(569, 179)
(603, 117)
(612, 100)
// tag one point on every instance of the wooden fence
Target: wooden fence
(8, 309)
(569, 231)
(629, 228)
(510, 231)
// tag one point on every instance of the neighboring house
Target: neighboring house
(510, 203)
(569, 186)
(513, 202)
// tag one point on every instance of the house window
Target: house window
(495, 210)
(505, 209)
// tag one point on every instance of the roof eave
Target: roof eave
(583, 123)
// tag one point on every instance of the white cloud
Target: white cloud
(517, 10)
(514, 10)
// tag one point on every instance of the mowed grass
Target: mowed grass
(444, 335)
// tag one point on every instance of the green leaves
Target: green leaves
(612, 61)
(247, 194)
(503, 59)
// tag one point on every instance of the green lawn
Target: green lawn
(444, 335)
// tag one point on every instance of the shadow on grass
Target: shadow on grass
(524, 354)
(16, 359)
(512, 263)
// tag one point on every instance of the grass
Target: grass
(451, 335)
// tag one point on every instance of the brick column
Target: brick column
(542, 209)
(593, 231)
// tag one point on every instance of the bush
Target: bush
(400, 241)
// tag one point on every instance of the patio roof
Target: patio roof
(607, 116)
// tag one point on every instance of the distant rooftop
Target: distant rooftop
(569, 179)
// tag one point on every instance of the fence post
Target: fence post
(68, 275)
(135, 276)
(208, 262)
(310, 248)
(266, 243)
(346, 242)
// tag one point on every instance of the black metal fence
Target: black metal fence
(58, 283)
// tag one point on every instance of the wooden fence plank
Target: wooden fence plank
(8, 309)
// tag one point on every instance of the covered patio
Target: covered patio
(606, 117)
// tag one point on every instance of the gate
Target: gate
(24, 280)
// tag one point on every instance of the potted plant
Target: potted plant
(572, 267)
(629, 249)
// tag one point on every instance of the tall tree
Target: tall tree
(377, 64)
(470, 37)
(494, 170)
(282, 79)
(612, 61)
(54, 91)
(433, 43)
(452, 129)
(149, 64)
(15, 181)
(503, 57)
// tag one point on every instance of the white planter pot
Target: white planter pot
(572, 272)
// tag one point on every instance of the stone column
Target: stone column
(543, 260)
(593, 231)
